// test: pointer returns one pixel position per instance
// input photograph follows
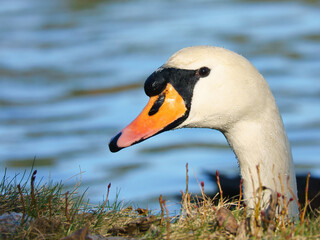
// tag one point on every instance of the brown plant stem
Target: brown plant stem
(219, 186)
(22, 203)
(168, 219)
(258, 205)
(187, 179)
(204, 200)
(306, 199)
(106, 200)
(240, 194)
(33, 197)
(162, 211)
(292, 193)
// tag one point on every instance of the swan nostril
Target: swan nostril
(156, 106)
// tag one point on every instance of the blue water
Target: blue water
(72, 74)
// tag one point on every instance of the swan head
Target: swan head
(204, 87)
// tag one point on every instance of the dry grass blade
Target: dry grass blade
(66, 212)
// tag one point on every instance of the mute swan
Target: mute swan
(212, 87)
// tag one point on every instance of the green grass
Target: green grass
(50, 212)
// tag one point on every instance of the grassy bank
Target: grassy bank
(46, 211)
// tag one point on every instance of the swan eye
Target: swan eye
(204, 72)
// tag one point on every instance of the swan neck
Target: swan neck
(263, 142)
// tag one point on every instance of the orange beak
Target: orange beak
(161, 112)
